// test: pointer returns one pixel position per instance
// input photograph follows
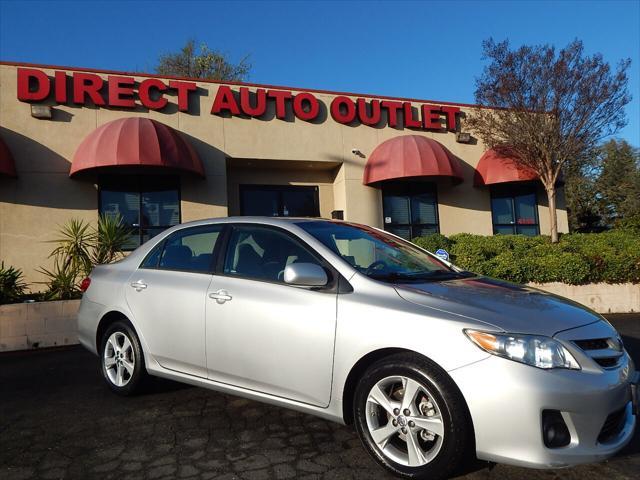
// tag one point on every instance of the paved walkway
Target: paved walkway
(57, 420)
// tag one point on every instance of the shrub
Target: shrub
(433, 242)
(562, 267)
(631, 224)
(508, 266)
(79, 248)
(611, 257)
(12, 285)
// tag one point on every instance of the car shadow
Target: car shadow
(157, 386)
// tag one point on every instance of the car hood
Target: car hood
(507, 306)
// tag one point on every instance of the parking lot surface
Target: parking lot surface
(58, 420)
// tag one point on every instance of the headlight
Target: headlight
(538, 351)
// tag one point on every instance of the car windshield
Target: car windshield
(377, 254)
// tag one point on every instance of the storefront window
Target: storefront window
(279, 201)
(514, 211)
(147, 204)
(410, 209)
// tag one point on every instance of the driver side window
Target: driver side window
(263, 253)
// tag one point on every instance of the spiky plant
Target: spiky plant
(74, 246)
(82, 246)
(12, 284)
(62, 283)
(108, 239)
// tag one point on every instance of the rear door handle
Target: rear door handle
(220, 296)
(139, 285)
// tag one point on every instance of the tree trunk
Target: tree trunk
(553, 214)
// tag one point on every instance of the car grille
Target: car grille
(593, 344)
(606, 352)
(613, 425)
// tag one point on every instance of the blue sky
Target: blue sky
(429, 50)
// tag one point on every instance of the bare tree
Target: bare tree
(202, 62)
(554, 107)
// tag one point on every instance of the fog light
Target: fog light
(554, 430)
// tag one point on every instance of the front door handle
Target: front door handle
(220, 296)
(139, 285)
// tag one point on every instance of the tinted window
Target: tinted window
(279, 201)
(375, 253)
(153, 257)
(263, 253)
(410, 209)
(147, 204)
(260, 202)
(190, 250)
(514, 211)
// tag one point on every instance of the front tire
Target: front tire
(121, 359)
(411, 417)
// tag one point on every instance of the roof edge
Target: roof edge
(243, 84)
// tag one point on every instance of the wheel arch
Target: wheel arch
(107, 320)
(356, 372)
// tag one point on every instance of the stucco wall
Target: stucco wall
(296, 173)
(33, 206)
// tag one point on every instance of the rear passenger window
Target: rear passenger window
(191, 249)
(151, 260)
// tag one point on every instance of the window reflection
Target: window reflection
(514, 211)
(410, 209)
(147, 204)
(279, 201)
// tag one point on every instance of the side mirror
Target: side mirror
(305, 274)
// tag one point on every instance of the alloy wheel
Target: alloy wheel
(404, 421)
(119, 359)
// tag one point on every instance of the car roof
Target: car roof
(259, 220)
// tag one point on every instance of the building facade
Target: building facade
(76, 143)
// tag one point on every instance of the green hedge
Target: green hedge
(580, 258)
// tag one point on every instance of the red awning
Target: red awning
(496, 168)
(135, 142)
(7, 165)
(410, 156)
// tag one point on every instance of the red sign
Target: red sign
(121, 92)
(343, 109)
(124, 92)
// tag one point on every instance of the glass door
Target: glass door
(279, 201)
(148, 204)
(410, 209)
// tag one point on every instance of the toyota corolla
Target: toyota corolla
(430, 363)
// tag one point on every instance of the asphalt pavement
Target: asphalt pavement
(58, 420)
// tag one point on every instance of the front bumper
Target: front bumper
(506, 400)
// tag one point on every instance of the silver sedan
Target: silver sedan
(347, 322)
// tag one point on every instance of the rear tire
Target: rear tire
(122, 360)
(411, 417)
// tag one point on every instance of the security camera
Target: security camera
(357, 152)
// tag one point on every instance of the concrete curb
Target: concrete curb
(25, 326)
(601, 297)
